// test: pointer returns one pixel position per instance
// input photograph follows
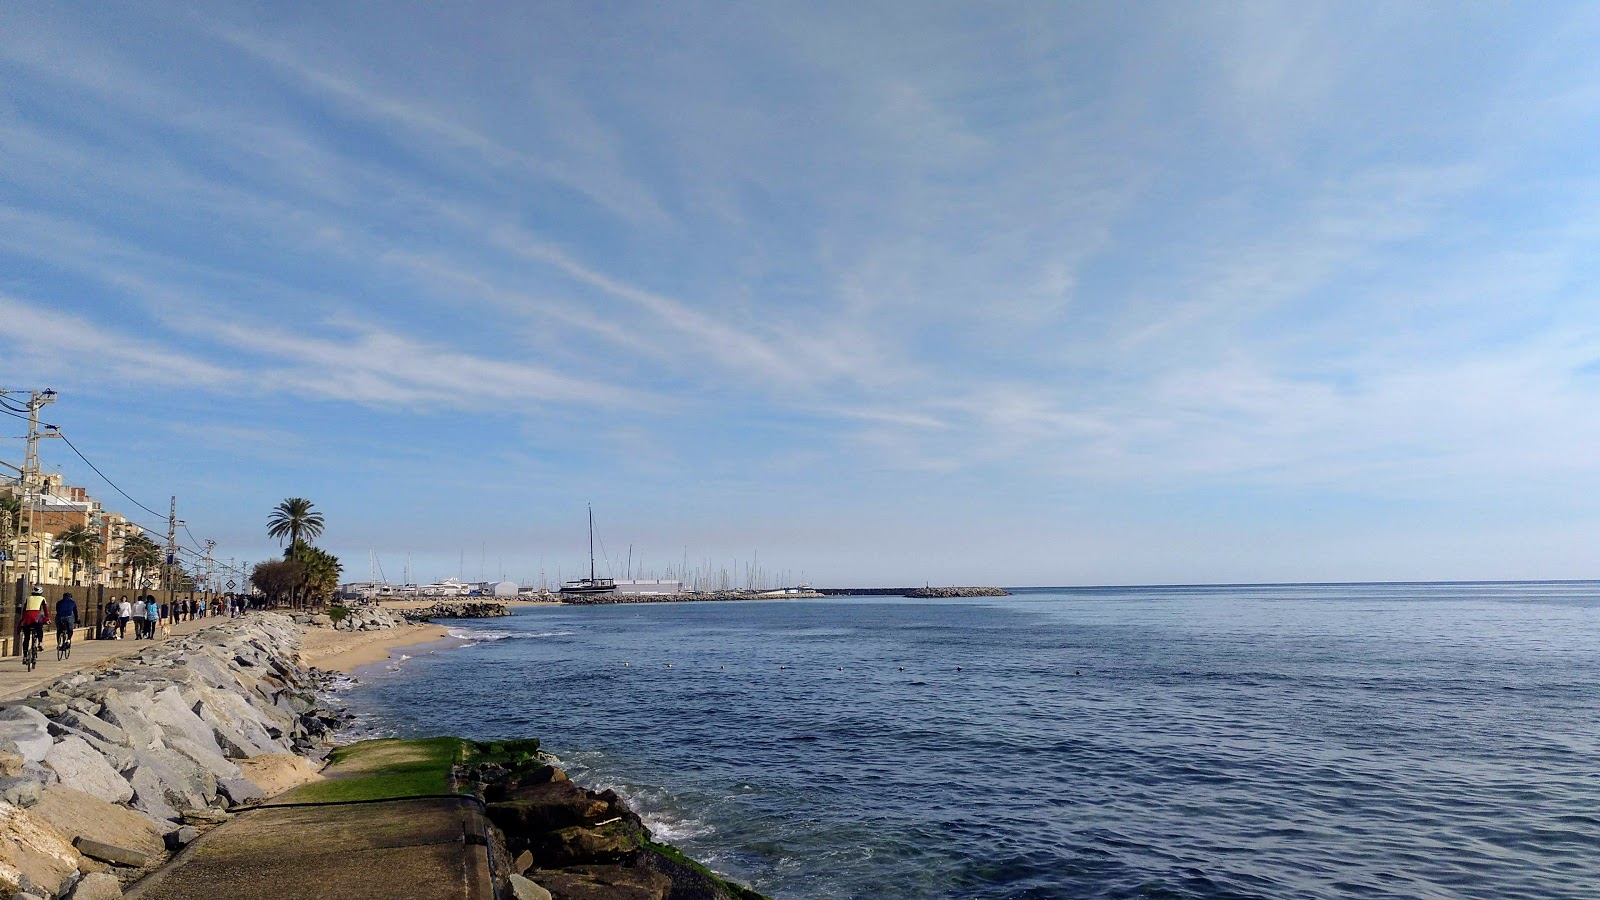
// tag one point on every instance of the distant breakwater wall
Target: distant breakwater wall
(916, 593)
(463, 609)
(105, 771)
(698, 597)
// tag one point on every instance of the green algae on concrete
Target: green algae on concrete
(385, 769)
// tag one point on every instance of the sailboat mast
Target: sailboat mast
(591, 542)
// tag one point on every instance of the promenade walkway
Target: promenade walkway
(16, 681)
(348, 837)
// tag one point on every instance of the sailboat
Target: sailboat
(590, 585)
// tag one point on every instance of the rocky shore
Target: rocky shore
(105, 772)
(939, 592)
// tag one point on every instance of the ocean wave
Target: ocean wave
(486, 635)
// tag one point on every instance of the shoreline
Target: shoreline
(346, 651)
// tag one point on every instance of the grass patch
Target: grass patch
(385, 769)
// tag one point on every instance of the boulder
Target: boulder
(182, 781)
(33, 851)
(76, 814)
(80, 767)
(604, 883)
(28, 729)
(19, 791)
(578, 846)
(97, 886)
(206, 756)
(175, 715)
(531, 809)
(150, 796)
(93, 725)
(181, 837)
(240, 790)
(11, 759)
(131, 713)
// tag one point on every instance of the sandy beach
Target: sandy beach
(344, 651)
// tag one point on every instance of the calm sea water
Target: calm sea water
(1286, 741)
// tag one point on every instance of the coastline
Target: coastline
(346, 651)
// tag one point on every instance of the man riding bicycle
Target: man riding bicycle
(66, 620)
(34, 616)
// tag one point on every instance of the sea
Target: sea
(1278, 741)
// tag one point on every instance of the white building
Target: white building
(649, 587)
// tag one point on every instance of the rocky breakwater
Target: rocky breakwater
(570, 843)
(104, 772)
(941, 592)
(459, 609)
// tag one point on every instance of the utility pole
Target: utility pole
(211, 572)
(28, 542)
(167, 577)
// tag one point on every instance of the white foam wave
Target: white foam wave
(486, 635)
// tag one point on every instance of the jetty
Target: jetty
(916, 593)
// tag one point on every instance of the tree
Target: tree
(140, 555)
(76, 546)
(319, 576)
(10, 523)
(294, 520)
(277, 579)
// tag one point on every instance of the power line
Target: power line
(103, 476)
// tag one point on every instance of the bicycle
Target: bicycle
(64, 642)
(30, 649)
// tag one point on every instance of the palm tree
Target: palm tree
(318, 574)
(295, 520)
(76, 545)
(140, 555)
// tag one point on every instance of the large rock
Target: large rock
(183, 782)
(132, 713)
(76, 814)
(150, 795)
(97, 886)
(28, 729)
(20, 790)
(32, 849)
(11, 759)
(93, 725)
(80, 767)
(604, 883)
(577, 846)
(175, 715)
(531, 809)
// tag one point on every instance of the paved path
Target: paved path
(16, 681)
(416, 849)
(315, 843)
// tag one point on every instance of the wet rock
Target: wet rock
(577, 846)
(604, 883)
(531, 809)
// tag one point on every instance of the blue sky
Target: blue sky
(887, 293)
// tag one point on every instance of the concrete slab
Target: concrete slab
(397, 849)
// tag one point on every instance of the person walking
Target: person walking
(124, 616)
(152, 615)
(136, 610)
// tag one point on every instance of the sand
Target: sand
(345, 651)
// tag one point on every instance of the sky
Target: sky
(872, 293)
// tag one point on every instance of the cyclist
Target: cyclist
(66, 620)
(35, 613)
